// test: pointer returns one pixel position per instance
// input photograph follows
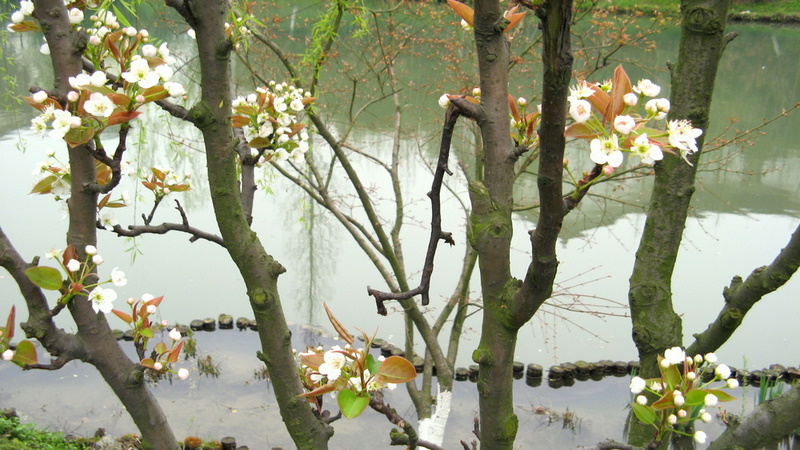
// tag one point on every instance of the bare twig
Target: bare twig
(137, 230)
(451, 117)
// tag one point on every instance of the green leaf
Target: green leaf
(644, 413)
(352, 404)
(44, 185)
(147, 332)
(372, 365)
(25, 353)
(45, 277)
(396, 369)
(672, 375)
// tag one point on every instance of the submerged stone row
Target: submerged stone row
(557, 375)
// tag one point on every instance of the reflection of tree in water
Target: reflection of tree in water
(311, 249)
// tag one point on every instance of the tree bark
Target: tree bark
(508, 302)
(99, 347)
(770, 423)
(259, 270)
(656, 326)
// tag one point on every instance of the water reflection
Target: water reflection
(743, 214)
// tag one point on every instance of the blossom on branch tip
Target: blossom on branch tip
(647, 88)
(174, 334)
(118, 277)
(606, 151)
(648, 152)
(101, 299)
(580, 110)
(637, 385)
(675, 356)
(99, 105)
(73, 265)
(700, 437)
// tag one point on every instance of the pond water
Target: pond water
(743, 214)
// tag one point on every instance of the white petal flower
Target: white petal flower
(80, 81)
(672, 419)
(183, 374)
(90, 250)
(641, 399)
(101, 299)
(149, 51)
(580, 110)
(73, 265)
(648, 152)
(99, 105)
(657, 108)
(733, 383)
(17, 17)
(630, 99)
(97, 260)
(679, 400)
(174, 334)
(700, 437)
(118, 277)
(711, 358)
(710, 400)
(675, 355)
(175, 89)
(705, 417)
(332, 367)
(723, 372)
(39, 96)
(606, 151)
(8, 354)
(624, 124)
(637, 385)
(164, 71)
(75, 16)
(98, 78)
(139, 72)
(647, 88)
(444, 101)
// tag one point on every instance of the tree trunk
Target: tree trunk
(258, 269)
(510, 303)
(656, 326)
(99, 346)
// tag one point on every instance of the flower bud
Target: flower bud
(608, 170)
(183, 374)
(40, 96)
(158, 366)
(73, 96)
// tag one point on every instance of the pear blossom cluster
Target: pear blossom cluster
(143, 73)
(682, 394)
(340, 364)
(617, 122)
(78, 271)
(270, 119)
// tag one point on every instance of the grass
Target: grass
(16, 436)
(762, 10)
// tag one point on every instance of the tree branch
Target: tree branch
(451, 117)
(137, 230)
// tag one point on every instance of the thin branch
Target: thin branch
(451, 117)
(137, 230)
